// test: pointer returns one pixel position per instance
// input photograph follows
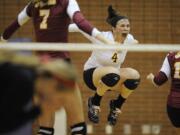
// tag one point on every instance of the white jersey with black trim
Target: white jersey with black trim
(110, 57)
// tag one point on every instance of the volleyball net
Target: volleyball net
(89, 47)
(144, 113)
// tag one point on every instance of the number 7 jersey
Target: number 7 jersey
(50, 21)
(108, 57)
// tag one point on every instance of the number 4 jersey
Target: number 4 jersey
(100, 58)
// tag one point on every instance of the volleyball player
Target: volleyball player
(51, 19)
(103, 72)
(25, 77)
(170, 70)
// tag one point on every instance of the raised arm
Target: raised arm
(74, 28)
(74, 13)
(21, 19)
(162, 76)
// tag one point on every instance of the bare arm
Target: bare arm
(84, 25)
(162, 76)
(97, 40)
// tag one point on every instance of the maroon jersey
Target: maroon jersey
(174, 96)
(51, 20)
(50, 24)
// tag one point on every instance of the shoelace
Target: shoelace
(96, 110)
(116, 113)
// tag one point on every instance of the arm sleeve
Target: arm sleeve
(20, 20)
(23, 16)
(163, 74)
(74, 13)
(166, 68)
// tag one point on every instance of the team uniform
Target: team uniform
(102, 69)
(51, 22)
(171, 69)
(99, 58)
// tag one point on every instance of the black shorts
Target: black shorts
(174, 116)
(88, 78)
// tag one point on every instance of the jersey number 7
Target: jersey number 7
(45, 14)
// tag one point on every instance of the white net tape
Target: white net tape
(89, 47)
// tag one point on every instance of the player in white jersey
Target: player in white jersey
(102, 70)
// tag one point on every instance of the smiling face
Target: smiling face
(122, 27)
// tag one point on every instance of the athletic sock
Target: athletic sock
(45, 131)
(119, 101)
(96, 99)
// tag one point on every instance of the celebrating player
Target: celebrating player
(102, 70)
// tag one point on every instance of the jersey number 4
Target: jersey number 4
(114, 57)
(45, 14)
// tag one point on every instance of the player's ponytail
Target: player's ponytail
(113, 17)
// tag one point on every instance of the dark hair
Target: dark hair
(113, 17)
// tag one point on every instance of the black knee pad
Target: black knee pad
(110, 79)
(132, 83)
(79, 129)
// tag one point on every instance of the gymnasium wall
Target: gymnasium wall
(152, 21)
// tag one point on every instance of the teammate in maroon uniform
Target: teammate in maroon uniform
(29, 77)
(170, 69)
(51, 19)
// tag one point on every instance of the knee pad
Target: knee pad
(132, 83)
(110, 79)
(79, 129)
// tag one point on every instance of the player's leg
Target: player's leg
(46, 123)
(70, 99)
(55, 79)
(46, 119)
(131, 79)
(101, 80)
(72, 102)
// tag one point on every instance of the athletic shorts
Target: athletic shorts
(174, 115)
(88, 78)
